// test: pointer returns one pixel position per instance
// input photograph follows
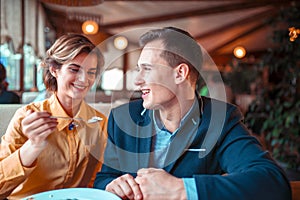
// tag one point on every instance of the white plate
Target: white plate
(74, 194)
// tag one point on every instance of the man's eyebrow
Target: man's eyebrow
(144, 65)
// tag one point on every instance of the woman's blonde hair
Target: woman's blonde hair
(65, 49)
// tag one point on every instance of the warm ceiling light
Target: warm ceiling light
(293, 33)
(120, 42)
(239, 52)
(90, 27)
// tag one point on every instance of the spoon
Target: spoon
(89, 121)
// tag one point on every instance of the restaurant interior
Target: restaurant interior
(254, 45)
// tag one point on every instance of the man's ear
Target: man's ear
(182, 72)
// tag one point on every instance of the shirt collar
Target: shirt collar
(193, 115)
(58, 110)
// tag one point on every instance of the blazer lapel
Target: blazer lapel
(185, 136)
(144, 139)
(181, 142)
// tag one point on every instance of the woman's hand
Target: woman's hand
(37, 126)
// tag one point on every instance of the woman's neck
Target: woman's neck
(71, 106)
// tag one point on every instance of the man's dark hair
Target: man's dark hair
(180, 47)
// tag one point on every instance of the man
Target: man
(174, 144)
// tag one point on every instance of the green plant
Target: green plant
(241, 76)
(276, 111)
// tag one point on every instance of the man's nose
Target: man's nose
(139, 79)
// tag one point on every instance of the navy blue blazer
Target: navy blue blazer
(220, 145)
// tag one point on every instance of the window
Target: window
(11, 62)
(29, 68)
(112, 79)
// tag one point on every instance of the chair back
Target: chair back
(295, 185)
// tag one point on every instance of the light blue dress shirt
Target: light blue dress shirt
(160, 145)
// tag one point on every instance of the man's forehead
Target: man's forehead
(151, 51)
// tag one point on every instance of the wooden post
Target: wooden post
(22, 45)
(125, 68)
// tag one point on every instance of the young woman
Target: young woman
(58, 142)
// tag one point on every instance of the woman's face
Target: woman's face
(76, 77)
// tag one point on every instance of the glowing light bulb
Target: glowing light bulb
(90, 27)
(239, 52)
(120, 42)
